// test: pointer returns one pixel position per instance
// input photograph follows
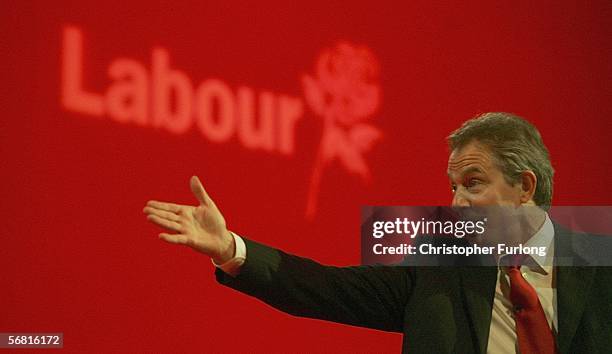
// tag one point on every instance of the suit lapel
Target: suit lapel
(573, 285)
(573, 281)
(478, 288)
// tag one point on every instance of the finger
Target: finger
(175, 239)
(162, 214)
(165, 223)
(198, 191)
(175, 208)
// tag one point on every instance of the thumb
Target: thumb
(198, 190)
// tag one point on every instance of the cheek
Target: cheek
(510, 194)
(484, 198)
(496, 195)
(490, 198)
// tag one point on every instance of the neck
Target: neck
(532, 221)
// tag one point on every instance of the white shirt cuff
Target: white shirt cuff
(232, 266)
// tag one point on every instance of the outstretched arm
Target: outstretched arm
(373, 297)
(365, 296)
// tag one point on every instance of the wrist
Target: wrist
(227, 250)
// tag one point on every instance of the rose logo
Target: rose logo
(345, 92)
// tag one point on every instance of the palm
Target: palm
(200, 227)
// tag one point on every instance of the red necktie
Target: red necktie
(532, 330)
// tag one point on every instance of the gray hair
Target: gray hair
(516, 145)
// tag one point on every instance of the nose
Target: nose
(459, 199)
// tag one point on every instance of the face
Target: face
(477, 181)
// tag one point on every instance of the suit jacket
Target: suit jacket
(438, 309)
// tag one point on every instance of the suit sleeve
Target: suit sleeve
(365, 296)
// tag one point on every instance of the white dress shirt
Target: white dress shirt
(232, 267)
(538, 272)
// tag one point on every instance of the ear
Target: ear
(529, 182)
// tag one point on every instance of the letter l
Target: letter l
(74, 98)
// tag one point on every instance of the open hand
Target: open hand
(200, 227)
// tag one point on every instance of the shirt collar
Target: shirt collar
(544, 237)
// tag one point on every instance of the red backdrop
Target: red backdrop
(77, 255)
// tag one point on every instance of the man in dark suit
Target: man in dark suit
(497, 159)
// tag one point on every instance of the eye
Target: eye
(473, 182)
(453, 188)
